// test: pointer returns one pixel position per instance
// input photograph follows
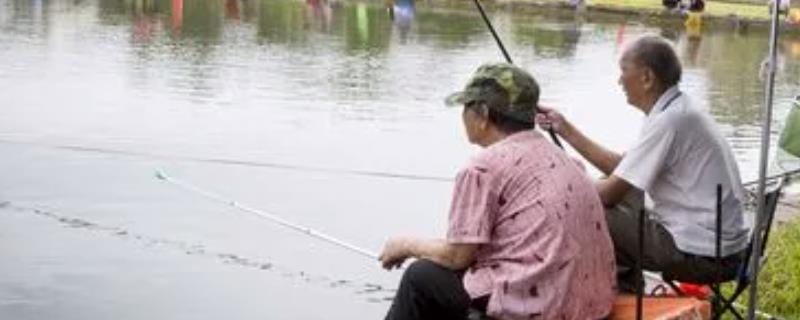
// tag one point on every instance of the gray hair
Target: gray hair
(656, 53)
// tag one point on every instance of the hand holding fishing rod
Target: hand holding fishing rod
(508, 59)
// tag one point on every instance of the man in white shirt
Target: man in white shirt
(678, 159)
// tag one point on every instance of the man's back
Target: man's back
(679, 160)
(703, 159)
(546, 245)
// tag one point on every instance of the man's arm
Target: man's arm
(612, 190)
(448, 255)
(603, 159)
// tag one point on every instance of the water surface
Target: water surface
(327, 113)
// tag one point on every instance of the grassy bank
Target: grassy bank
(743, 10)
(713, 8)
(779, 281)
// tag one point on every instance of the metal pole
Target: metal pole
(762, 170)
(639, 268)
(718, 256)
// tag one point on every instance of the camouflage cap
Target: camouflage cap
(503, 87)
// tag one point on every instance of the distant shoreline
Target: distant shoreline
(734, 14)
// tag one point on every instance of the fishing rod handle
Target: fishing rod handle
(554, 137)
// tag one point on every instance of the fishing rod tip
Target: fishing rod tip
(160, 175)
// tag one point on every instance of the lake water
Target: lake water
(328, 114)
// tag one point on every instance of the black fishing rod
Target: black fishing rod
(508, 59)
(772, 177)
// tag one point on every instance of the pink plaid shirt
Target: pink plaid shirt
(545, 249)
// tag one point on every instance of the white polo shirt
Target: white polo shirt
(678, 160)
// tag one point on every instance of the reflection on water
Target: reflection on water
(359, 60)
(387, 61)
(549, 39)
(319, 15)
(402, 13)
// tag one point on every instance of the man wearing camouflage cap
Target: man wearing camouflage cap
(527, 238)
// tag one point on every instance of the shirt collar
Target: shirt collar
(665, 101)
(523, 135)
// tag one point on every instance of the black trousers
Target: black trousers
(430, 291)
(660, 252)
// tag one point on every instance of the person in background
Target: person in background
(526, 236)
(697, 6)
(682, 6)
(671, 5)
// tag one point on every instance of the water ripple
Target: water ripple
(371, 292)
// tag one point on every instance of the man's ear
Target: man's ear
(649, 79)
(482, 110)
(484, 119)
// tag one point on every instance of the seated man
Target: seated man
(527, 236)
(678, 159)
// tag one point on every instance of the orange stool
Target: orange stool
(661, 308)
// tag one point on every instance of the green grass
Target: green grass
(740, 8)
(629, 4)
(760, 12)
(713, 8)
(779, 280)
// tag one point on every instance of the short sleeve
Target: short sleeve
(470, 210)
(641, 165)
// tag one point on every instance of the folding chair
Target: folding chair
(657, 307)
(720, 303)
(725, 304)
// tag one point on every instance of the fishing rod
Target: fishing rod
(772, 177)
(508, 59)
(161, 175)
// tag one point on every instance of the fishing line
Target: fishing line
(161, 175)
(508, 59)
(282, 166)
(772, 177)
(235, 162)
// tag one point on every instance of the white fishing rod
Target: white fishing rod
(161, 175)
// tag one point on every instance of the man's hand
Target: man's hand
(603, 159)
(548, 118)
(395, 252)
